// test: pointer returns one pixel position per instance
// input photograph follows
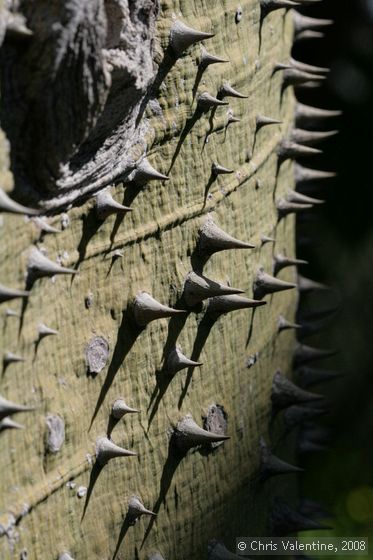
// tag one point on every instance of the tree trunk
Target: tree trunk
(84, 97)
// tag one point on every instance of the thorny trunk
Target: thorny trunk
(91, 90)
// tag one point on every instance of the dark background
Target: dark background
(339, 244)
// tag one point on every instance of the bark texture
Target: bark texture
(92, 91)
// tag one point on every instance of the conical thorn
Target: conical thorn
(145, 172)
(285, 392)
(9, 424)
(220, 305)
(284, 207)
(217, 169)
(7, 408)
(283, 324)
(265, 121)
(147, 309)
(212, 239)
(206, 58)
(176, 361)
(307, 285)
(205, 102)
(10, 358)
(188, 434)
(44, 331)
(106, 205)
(39, 265)
(310, 137)
(136, 509)
(265, 284)
(270, 465)
(288, 149)
(107, 449)
(304, 354)
(226, 90)
(7, 204)
(298, 198)
(120, 408)
(197, 288)
(7, 294)
(183, 37)
(282, 261)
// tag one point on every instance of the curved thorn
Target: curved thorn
(285, 392)
(304, 354)
(217, 169)
(10, 358)
(145, 172)
(147, 309)
(282, 261)
(268, 6)
(212, 239)
(265, 284)
(305, 174)
(8, 408)
(176, 361)
(206, 101)
(294, 77)
(197, 288)
(16, 27)
(9, 424)
(7, 294)
(232, 119)
(291, 150)
(305, 115)
(107, 449)
(206, 58)
(43, 226)
(39, 265)
(270, 465)
(265, 121)
(183, 37)
(226, 90)
(306, 284)
(265, 239)
(188, 434)
(120, 408)
(284, 207)
(225, 304)
(283, 324)
(310, 137)
(310, 68)
(43, 331)
(106, 205)
(303, 23)
(298, 198)
(136, 509)
(7, 204)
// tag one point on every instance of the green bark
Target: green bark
(204, 495)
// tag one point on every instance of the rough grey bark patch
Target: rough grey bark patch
(216, 421)
(56, 433)
(70, 137)
(96, 352)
